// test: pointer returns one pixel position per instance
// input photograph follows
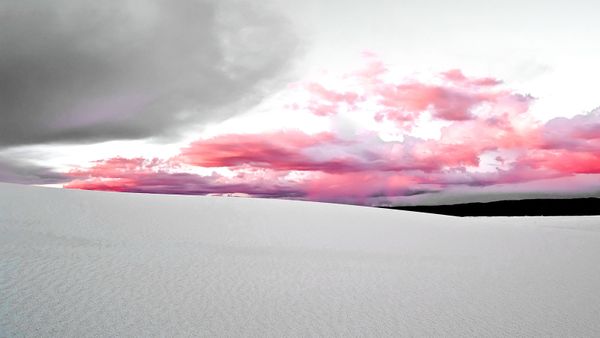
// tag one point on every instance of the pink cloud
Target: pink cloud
(581, 132)
(564, 161)
(118, 174)
(447, 103)
(456, 76)
(357, 187)
(285, 150)
(455, 98)
(486, 127)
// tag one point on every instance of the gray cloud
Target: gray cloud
(26, 172)
(87, 70)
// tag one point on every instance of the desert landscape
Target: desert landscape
(281, 168)
(82, 263)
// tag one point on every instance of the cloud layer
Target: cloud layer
(25, 172)
(488, 138)
(101, 70)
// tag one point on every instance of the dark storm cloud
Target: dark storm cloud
(87, 70)
(25, 172)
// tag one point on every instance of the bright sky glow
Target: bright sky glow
(366, 102)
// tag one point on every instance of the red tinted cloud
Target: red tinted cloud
(580, 133)
(564, 161)
(488, 139)
(456, 76)
(137, 175)
(454, 98)
(278, 151)
(357, 187)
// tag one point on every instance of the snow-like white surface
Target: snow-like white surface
(79, 263)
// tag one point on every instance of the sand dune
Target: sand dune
(79, 263)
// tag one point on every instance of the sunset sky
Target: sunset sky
(370, 102)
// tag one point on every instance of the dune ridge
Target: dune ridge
(81, 263)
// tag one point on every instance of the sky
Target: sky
(362, 102)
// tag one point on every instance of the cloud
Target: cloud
(456, 76)
(454, 97)
(90, 70)
(327, 152)
(153, 176)
(499, 144)
(280, 151)
(24, 172)
(580, 133)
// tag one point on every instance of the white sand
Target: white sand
(78, 263)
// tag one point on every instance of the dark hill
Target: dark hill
(527, 207)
